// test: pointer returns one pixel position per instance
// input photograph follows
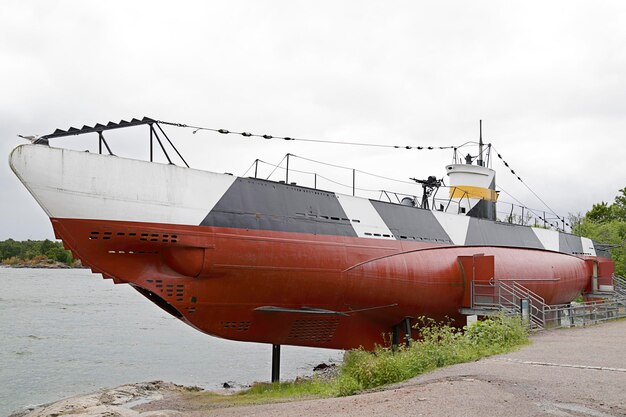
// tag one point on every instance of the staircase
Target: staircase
(510, 298)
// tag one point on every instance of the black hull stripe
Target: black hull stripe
(265, 205)
(411, 223)
(485, 232)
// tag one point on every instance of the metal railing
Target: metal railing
(513, 299)
(509, 298)
(585, 313)
(619, 285)
(441, 198)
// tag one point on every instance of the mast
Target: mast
(480, 146)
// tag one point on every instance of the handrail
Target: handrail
(537, 305)
(534, 279)
(619, 285)
(506, 296)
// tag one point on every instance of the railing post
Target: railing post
(525, 311)
(495, 282)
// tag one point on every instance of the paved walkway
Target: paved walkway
(569, 372)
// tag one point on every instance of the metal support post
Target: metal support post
(571, 316)
(101, 141)
(407, 331)
(395, 337)
(275, 363)
(525, 311)
(151, 144)
(156, 135)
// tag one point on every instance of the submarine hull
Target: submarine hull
(255, 260)
(222, 281)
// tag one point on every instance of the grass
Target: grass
(440, 345)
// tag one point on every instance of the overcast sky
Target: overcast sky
(547, 78)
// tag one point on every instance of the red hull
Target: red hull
(215, 278)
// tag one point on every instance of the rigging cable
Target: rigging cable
(353, 169)
(533, 211)
(336, 142)
(276, 167)
(506, 164)
(377, 145)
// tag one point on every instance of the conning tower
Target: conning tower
(473, 187)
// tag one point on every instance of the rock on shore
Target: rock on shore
(114, 402)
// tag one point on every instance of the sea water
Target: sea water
(68, 332)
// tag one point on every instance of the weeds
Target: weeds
(440, 345)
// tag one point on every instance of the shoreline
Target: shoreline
(114, 401)
(42, 265)
(524, 383)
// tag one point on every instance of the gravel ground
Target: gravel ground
(569, 372)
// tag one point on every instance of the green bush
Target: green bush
(440, 345)
(606, 223)
(496, 333)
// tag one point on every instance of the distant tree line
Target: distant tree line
(606, 223)
(15, 252)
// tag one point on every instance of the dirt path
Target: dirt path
(574, 372)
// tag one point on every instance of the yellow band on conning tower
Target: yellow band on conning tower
(468, 191)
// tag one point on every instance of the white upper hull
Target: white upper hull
(83, 185)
